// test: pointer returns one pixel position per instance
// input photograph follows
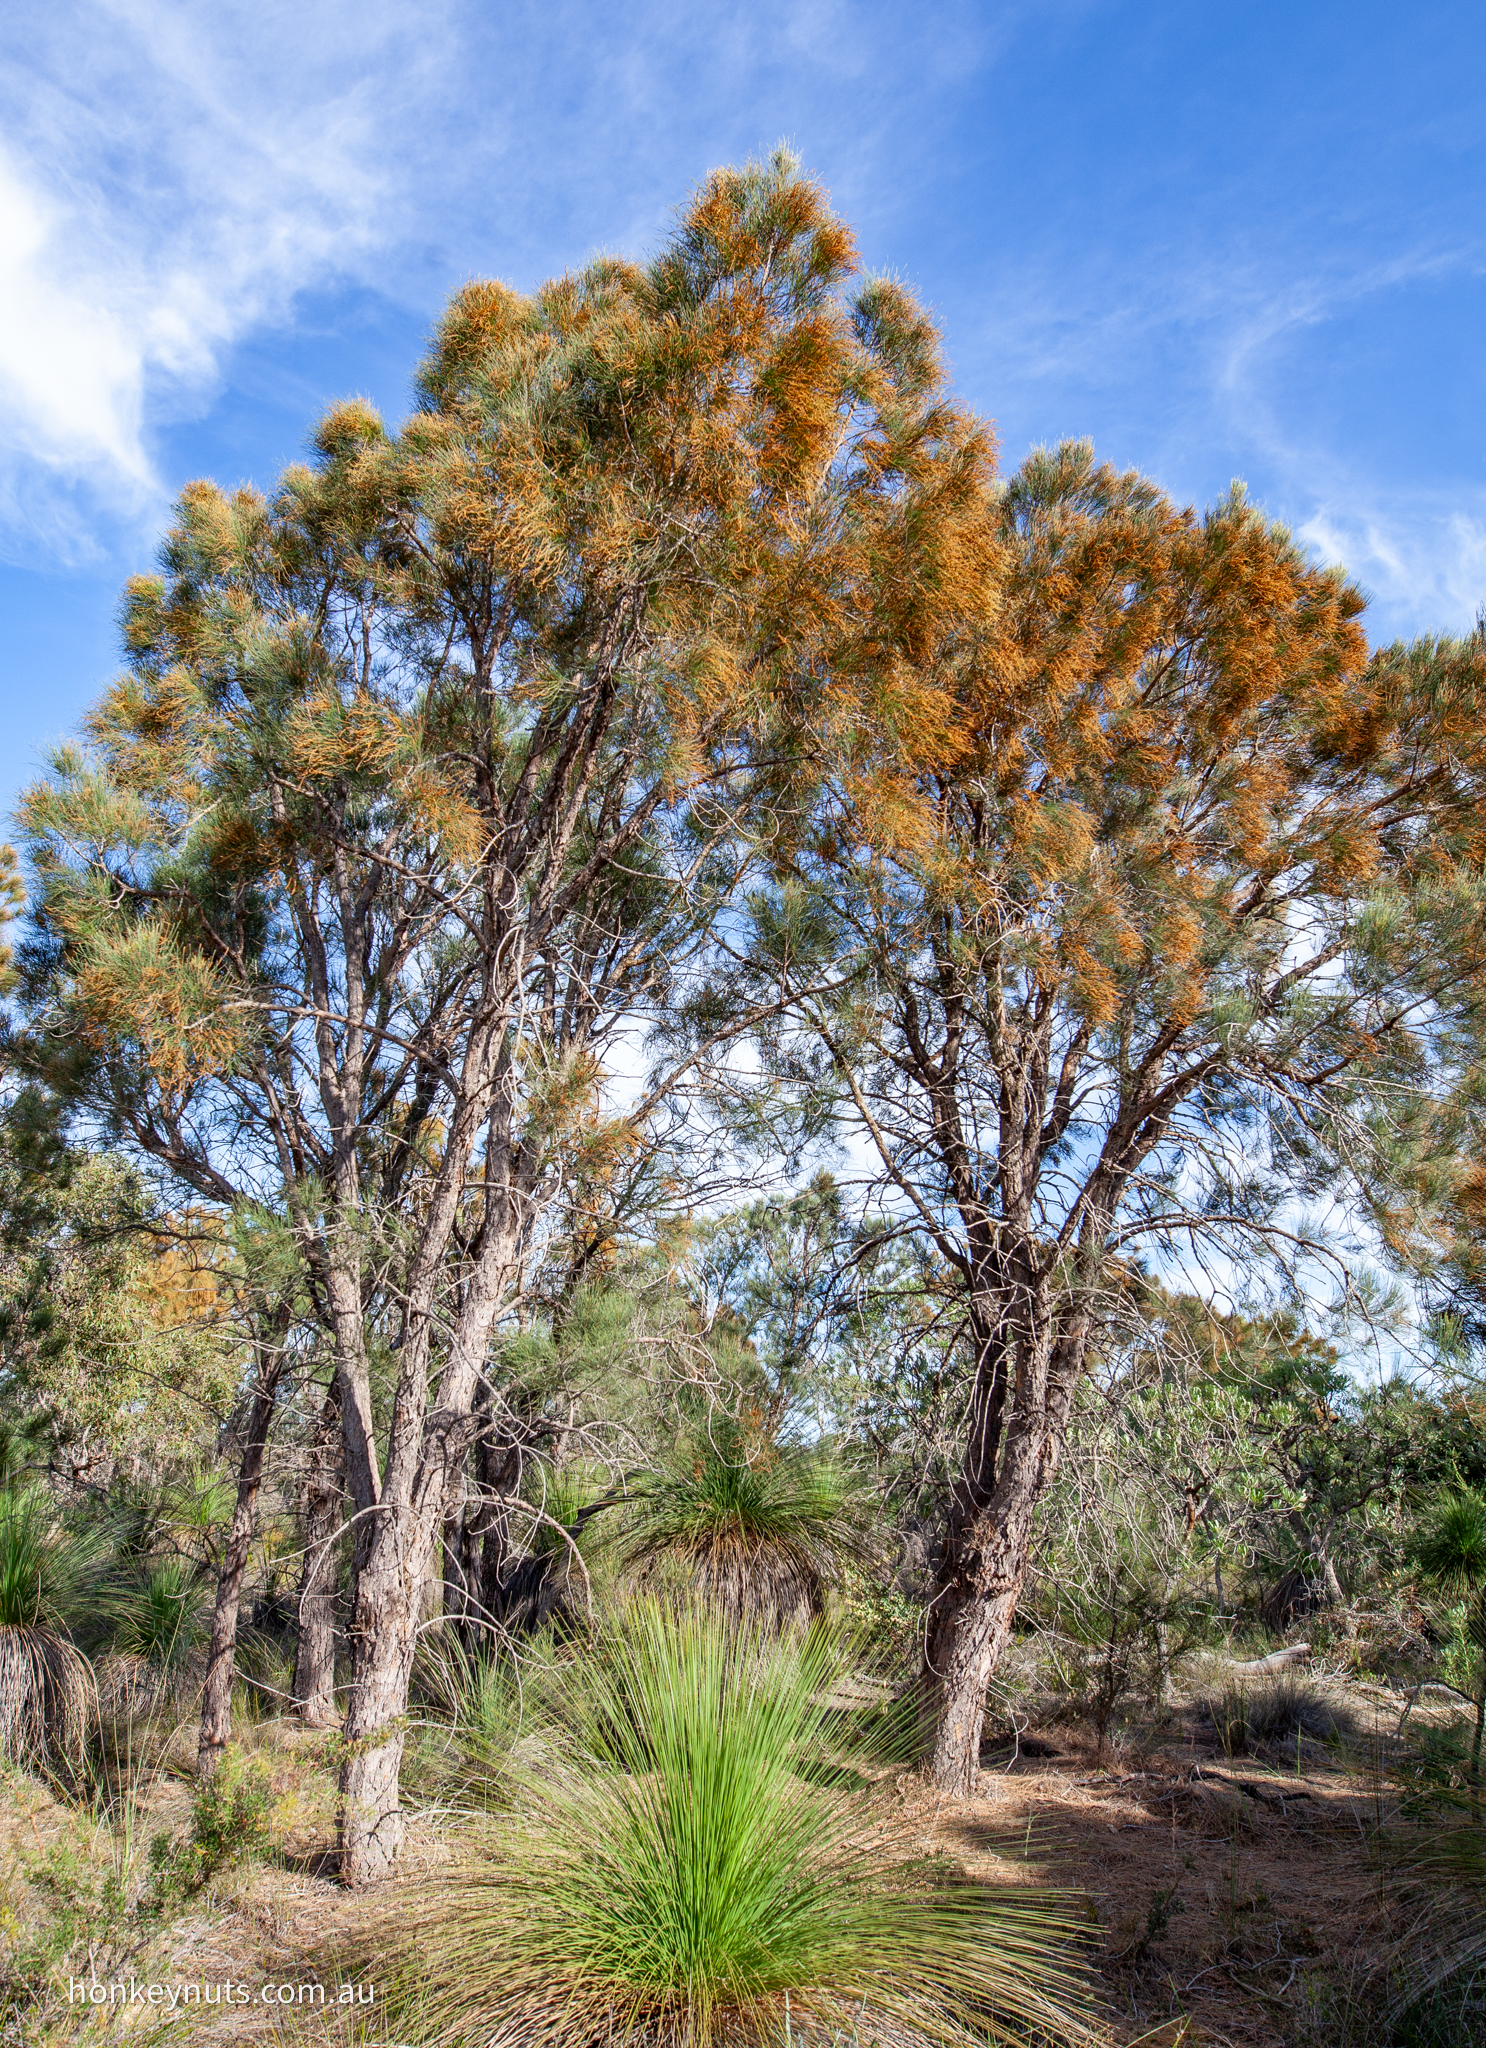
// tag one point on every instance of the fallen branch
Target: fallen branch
(1278, 1660)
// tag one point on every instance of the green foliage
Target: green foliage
(1451, 1545)
(105, 1329)
(46, 1564)
(22, 1439)
(689, 1874)
(230, 1822)
(1461, 1651)
(160, 1614)
(761, 1529)
(1450, 2012)
(47, 1694)
(482, 1700)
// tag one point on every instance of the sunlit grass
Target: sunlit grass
(690, 1874)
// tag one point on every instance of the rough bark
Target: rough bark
(314, 1653)
(1030, 1352)
(979, 1584)
(388, 1598)
(216, 1701)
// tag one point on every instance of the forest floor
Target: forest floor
(1241, 1903)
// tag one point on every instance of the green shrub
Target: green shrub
(229, 1823)
(482, 1701)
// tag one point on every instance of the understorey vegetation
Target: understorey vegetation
(720, 1130)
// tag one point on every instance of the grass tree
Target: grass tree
(47, 1694)
(428, 770)
(1451, 1553)
(759, 1530)
(686, 1870)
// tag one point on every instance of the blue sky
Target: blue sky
(1221, 239)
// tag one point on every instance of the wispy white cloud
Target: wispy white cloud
(1202, 366)
(174, 175)
(1421, 558)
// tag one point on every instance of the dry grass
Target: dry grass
(1242, 1903)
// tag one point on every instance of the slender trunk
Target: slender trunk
(400, 1561)
(457, 1547)
(500, 1476)
(1317, 1543)
(216, 1702)
(314, 1653)
(1335, 1596)
(363, 1479)
(1162, 1689)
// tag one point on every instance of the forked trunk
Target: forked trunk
(216, 1700)
(314, 1653)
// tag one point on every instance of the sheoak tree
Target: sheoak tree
(1098, 965)
(427, 770)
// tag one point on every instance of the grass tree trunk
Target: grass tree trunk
(314, 1653)
(216, 1699)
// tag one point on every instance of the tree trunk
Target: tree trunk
(1161, 1691)
(314, 1653)
(1024, 1389)
(216, 1702)
(500, 1476)
(458, 1551)
(1318, 1546)
(427, 1446)
(388, 1598)
(969, 1631)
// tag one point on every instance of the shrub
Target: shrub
(1229, 1713)
(1274, 1713)
(1286, 1707)
(229, 1823)
(692, 1874)
(480, 1698)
